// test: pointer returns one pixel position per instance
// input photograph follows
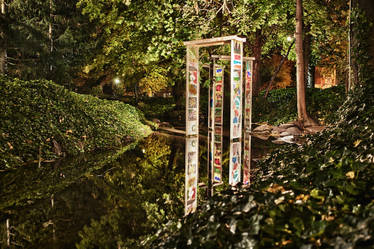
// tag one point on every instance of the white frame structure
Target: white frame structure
(192, 113)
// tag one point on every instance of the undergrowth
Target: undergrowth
(319, 195)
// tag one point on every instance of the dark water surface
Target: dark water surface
(106, 200)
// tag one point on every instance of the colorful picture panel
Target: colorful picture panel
(236, 89)
(191, 174)
(192, 129)
(192, 114)
(247, 158)
(235, 165)
(247, 123)
(217, 117)
(192, 102)
(192, 91)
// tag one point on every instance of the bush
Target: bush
(41, 120)
(158, 107)
(97, 91)
(311, 196)
(281, 106)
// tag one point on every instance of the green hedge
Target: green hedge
(281, 107)
(319, 195)
(42, 120)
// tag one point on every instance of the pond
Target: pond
(106, 200)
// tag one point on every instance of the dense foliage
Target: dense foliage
(41, 120)
(315, 195)
(280, 105)
(159, 27)
(45, 40)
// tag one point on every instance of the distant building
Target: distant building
(324, 77)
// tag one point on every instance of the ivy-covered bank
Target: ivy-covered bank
(319, 195)
(40, 120)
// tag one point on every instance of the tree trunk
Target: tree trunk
(307, 51)
(178, 91)
(300, 83)
(3, 52)
(349, 83)
(311, 75)
(50, 33)
(353, 44)
(8, 232)
(257, 48)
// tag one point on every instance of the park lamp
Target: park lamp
(289, 38)
(117, 80)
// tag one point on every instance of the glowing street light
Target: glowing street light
(116, 81)
(289, 38)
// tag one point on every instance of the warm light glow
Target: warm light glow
(116, 81)
(289, 38)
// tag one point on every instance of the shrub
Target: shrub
(310, 196)
(281, 106)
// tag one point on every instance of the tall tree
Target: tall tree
(302, 113)
(3, 52)
(50, 34)
(300, 83)
(137, 40)
(265, 24)
(44, 39)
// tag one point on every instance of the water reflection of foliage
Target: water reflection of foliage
(26, 185)
(27, 193)
(146, 189)
(111, 200)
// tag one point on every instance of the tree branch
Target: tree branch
(278, 69)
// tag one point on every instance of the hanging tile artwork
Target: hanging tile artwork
(192, 91)
(235, 158)
(192, 129)
(236, 111)
(247, 122)
(217, 117)
(191, 176)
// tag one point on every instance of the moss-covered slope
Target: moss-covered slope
(40, 120)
